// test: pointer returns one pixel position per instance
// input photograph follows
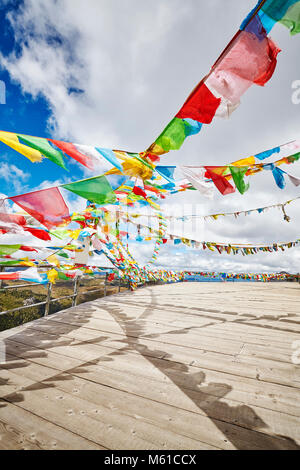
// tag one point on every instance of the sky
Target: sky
(113, 73)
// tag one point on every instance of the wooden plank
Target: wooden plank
(22, 430)
(252, 389)
(217, 361)
(41, 356)
(108, 429)
(217, 407)
(168, 419)
(242, 384)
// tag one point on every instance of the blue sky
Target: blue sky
(27, 115)
(113, 73)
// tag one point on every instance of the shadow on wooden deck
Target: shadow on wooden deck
(237, 423)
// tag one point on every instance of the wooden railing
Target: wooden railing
(50, 300)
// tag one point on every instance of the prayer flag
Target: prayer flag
(47, 206)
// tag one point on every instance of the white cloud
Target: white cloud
(13, 175)
(98, 50)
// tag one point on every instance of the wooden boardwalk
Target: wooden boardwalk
(184, 366)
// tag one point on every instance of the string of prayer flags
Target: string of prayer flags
(202, 176)
(228, 248)
(98, 159)
(250, 58)
(36, 148)
(268, 153)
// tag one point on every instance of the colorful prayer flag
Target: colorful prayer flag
(43, 146)
(47, 206)
(97, 190)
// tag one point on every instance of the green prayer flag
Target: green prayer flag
(174, 135)
(238, 173)
(8, 263)
(97, 190)
(43, 146)
(62, 276)
(60, 233)
(292, 19)
(277, 9)
(8, 249)
(294, 158)
(63, 255)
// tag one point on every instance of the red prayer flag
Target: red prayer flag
(268, 71)
(72, 151)
(12, 219)
(251, 59)
(139, 192)
(27, 248)
(7, 220)
(221, 183)
(47, 206)
(9, 276)
(200, 106)
(38, 233)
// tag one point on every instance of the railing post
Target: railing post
(2, 269)
(76, 286)
(48, 301)
(105, 285)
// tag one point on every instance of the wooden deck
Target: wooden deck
(184, 366)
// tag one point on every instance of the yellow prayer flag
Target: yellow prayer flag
(27, 263)
(74, 234)
(244, 162)
(53, 260)
(52, 276)
(11, 140)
